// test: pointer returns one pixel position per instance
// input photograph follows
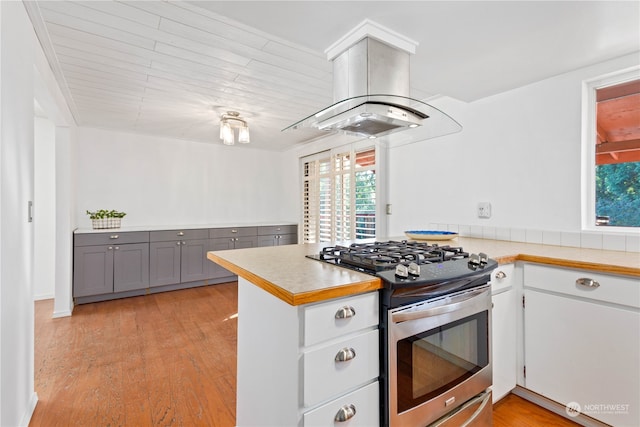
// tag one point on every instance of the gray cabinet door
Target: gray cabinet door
(130, 267)
(288, 239)
(93, 270)
(221, 244)
(277, 240)
(164, 263)
(194, 265)
(246, 242)
(269, 240)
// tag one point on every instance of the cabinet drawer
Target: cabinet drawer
(277, 229)
(169, 235)
(232, 232)
(321, 323)
(325, 377)
(502, 278)
(364, 401)
(614, 289)
(110, 237)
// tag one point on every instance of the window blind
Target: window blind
(339, 196)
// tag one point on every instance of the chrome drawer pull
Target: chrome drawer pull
(345, 312)
(587, 283)
(181, 233)
(114, 236)
(501, 275)
(345, 354)
(345, 413)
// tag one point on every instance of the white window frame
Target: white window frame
(381, 178)
(588, 187)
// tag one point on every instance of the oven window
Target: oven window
(433, 362)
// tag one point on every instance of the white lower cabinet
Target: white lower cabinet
(359, 408)
(341, 362)
(339, 366)
(503, 330)
(307, 365)
(582, 341)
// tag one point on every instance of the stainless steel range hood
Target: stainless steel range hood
(371, 94)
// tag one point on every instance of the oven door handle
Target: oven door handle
(455, 304)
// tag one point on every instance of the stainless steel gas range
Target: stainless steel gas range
(435, 348)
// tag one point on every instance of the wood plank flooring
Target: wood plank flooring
(514, 411)
(166, 359)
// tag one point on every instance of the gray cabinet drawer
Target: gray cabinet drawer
(232, 232)
(110, 237)
(277, 229)
(188, 234)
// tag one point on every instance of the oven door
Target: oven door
(439, 355)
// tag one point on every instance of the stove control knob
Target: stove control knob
(414, 269)
(474, 261)
(402, 271)
(483, 258)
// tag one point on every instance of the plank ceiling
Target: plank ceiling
(171, 68)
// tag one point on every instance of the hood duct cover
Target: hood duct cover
(371, 94)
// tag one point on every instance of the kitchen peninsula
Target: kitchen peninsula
(288, 333)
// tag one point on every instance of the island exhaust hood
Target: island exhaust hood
(371, 93)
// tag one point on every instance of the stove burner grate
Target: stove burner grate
(382, 256)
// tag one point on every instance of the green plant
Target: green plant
(102, 213)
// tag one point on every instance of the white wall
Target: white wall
(17, 396)
(44, 219)
(164, 181)
(65, 220)
(519, 150)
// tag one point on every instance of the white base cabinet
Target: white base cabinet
(287, 372)
(503, 330)
(582, 344)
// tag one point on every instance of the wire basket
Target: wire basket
(106, 223)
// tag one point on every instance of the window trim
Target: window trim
(588, 160)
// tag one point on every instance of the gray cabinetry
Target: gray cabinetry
(178, 256)
(230, 238)
(115, 264)
(111, 262)
(277, 235)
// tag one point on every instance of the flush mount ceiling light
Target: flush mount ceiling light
(228, 122)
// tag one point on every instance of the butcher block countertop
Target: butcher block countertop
(285, 272)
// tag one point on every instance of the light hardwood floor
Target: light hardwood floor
(166, 359)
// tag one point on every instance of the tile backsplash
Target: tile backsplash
(588, 239)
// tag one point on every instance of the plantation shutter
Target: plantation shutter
(339, 196)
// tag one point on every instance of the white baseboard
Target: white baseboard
(43, 297)
(63, 313)
(26, 419)
(556, 407)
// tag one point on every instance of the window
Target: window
(339, 195)
(613, 152)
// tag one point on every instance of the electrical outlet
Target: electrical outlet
(484, 210)
(389, 209)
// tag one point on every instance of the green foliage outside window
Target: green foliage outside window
(618, 193)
